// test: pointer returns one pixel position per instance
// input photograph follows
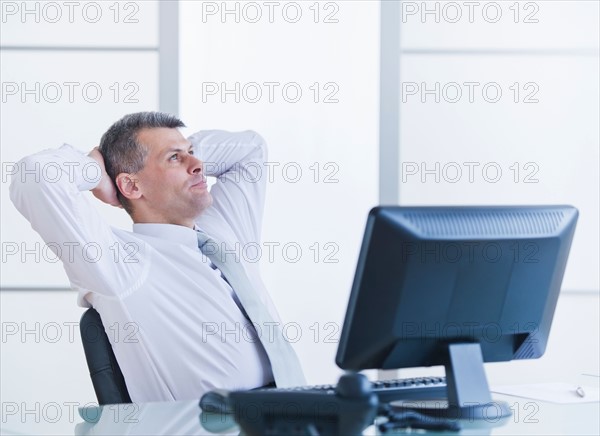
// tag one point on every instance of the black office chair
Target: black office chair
(107, 378)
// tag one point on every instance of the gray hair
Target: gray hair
(122, 152)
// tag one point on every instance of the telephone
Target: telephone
(347, 410)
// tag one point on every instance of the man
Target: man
(176, 325)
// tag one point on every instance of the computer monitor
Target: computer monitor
(456, 286)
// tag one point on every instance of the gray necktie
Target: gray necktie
(284, 362)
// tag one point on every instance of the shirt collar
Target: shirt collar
(170, 232)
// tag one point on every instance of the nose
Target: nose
(195, 165)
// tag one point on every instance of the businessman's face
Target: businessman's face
(172, 184)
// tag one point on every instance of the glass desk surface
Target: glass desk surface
(185, 418)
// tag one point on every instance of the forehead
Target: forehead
(160, 139)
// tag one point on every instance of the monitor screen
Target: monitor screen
(429, 278)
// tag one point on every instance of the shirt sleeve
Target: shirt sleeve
(48, 190)
(237, 160)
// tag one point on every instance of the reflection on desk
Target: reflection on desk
(185, 417)
(164, 418)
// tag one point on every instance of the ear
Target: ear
(128, 185)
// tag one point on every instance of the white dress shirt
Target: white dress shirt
(175, 325)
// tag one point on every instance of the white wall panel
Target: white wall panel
(79, 23)
(332, 142)
(43, 367)
(104, 87)
(546, 149)
(542, 133)
(505, 24)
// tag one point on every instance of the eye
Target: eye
(174, 156)
(191, 151)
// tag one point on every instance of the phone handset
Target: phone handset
(347, 410)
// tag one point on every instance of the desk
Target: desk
(184, 417)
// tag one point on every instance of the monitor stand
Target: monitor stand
(468, 391)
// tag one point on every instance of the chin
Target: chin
(203, 203)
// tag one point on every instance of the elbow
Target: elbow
(31, 180)
(260, 144)
(25, 183)
(25, 177)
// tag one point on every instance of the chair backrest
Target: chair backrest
(106, 375)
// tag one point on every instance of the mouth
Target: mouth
(199, 184)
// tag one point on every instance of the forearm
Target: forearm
(237, 160)
(48, 189)
(49, 179)
(225, 152)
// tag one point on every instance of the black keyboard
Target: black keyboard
(419, 388)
